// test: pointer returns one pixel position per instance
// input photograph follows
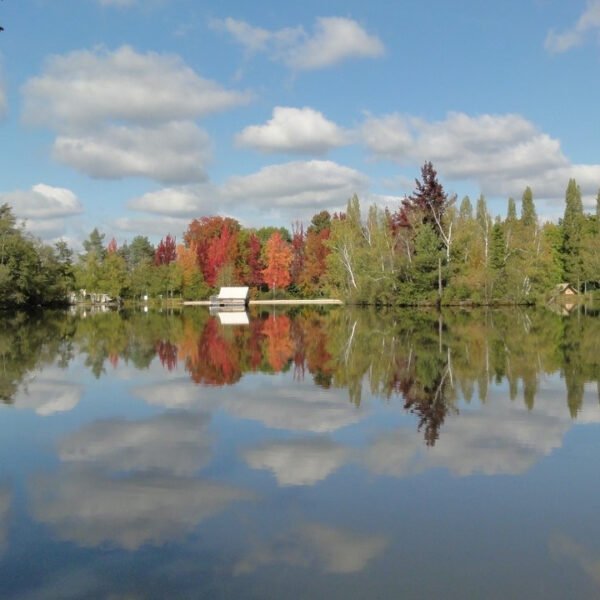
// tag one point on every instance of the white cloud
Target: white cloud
(294, 130)
(86, 88)
(588, 22)
(287, 191)
(43, 202)
(502, 153)
(309, 184)
(152, 226)
(175, 151)
(333, 40)
(298, 462)
(184, 200)
(124, 113)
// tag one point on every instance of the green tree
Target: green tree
(573, 232)
(528, 213)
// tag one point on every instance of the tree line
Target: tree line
(431, 249)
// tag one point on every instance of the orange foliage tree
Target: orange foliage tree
(278, 257)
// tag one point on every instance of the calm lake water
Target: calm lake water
(305, 454)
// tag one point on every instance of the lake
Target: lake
(307, 453)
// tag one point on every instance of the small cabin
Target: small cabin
(232, 297)
(565, 289)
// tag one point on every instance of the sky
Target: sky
(137, 116)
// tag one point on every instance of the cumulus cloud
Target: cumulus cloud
(294, 189)
(310, 184)
(302, 130)
(333, 40)
(175, 151)
(86, 88)
(588, 22)
(124, 113)
(43, 202)
(185, 201)
(329, 549)
(44, 208)
(502, 153)
(298, 462)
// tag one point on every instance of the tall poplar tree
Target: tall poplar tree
(573, 232)
(528, 214)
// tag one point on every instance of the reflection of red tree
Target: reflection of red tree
(217, 360)
(279, 344)
(167, 354)
(113, 359)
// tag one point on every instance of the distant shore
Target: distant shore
(271, 302)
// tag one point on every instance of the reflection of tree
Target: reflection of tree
(426, 358)
(217, 360)
(167, 354)
(279, 344)
(28, 341)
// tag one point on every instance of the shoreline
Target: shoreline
(332, 301)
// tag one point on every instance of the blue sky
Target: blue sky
(138, 115)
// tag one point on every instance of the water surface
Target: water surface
(305, 454)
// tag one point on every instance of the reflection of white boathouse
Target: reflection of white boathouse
(234, 298)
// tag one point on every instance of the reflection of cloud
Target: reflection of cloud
(298, 462)
(562, 547)
(5, 502)
(317, 546)
(498, 439)
(291, 408)
(48, 396)
(90, 508)
(294, 408)
(170, 394)
(178, 443)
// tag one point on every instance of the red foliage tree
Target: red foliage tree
(216, 243)
(428, 200)
(254, 262)
(166, 251)
(112, 246)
